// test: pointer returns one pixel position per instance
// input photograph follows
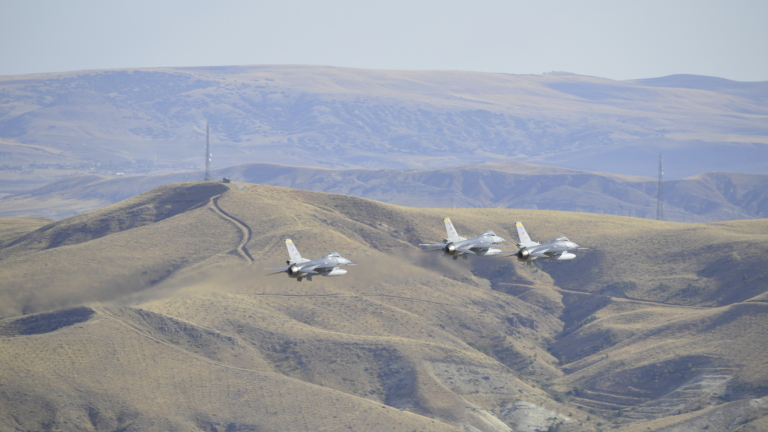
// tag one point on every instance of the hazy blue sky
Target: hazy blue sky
(612, 39)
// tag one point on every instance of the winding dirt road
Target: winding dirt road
(241, 248)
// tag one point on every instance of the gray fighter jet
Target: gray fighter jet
(457, 246)
(557, 250)
(301, 268)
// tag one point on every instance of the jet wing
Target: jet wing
(432, 247)
(327, 268)
(466, 251)
(481, 249)
(310, 270)
(319, 270)
(279, 270)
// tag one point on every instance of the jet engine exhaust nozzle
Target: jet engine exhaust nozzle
(450, 249)
(523, 254)
(293, 270)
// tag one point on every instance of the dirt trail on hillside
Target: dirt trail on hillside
(634, 300)
(244, 228)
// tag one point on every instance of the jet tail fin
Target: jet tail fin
(293, 253)
(525, 239)
(451, 231)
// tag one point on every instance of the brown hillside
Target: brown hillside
(165, 319)
(13, 228)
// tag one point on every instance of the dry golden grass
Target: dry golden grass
(189, 333)
(106, 375)
(13, 228)
(113, 251)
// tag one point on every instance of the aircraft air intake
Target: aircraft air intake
(335, 272)
(565, 256)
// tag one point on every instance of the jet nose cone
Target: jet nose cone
(499, 239)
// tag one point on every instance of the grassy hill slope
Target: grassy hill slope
(156, 313)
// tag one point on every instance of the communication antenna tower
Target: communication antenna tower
(660, 199)
(207, 153)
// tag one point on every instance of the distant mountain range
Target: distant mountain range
(707, 197)
(134, 120)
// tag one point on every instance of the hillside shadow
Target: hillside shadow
(144, 209)
(45, 322)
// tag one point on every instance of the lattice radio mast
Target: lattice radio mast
(207, 152)
(660, 199)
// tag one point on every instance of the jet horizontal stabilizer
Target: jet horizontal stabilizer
(279, 270)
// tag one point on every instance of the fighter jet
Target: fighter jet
(301, 268)
(557, 250)
(457, 246)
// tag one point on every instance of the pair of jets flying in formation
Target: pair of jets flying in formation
(454, 245)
